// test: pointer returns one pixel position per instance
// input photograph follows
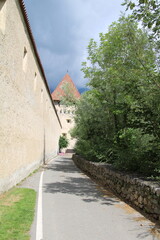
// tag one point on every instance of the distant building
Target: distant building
(66, 113)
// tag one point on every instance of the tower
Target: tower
(66, 88)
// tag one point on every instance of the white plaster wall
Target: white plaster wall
(29, 127)
(67, 113)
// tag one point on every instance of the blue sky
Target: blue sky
(62, 30)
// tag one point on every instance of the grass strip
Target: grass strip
(16, 213)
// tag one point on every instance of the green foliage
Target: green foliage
(118, 120)
(135, 151)
(63, 142)
(148, 11)
(69, 98)
(91, 127)
(16, 213)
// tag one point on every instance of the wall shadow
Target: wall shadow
(74, 182)
(65, 165)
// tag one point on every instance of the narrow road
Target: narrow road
(76, 208)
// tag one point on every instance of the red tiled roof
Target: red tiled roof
(59, 92)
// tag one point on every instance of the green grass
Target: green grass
(16, 213)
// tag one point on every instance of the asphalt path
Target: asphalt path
(70, 206)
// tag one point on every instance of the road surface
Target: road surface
(71, 206)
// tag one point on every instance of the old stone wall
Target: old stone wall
(29, 125)
(143, 194)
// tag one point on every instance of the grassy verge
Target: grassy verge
(16, 213)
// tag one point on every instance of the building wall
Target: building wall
(66, 115)
(29, 126)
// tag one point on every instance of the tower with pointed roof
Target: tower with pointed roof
(66, 113)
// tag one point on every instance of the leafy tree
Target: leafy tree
(91, 130)
(68, 98)
(118, 119)
(148, 11)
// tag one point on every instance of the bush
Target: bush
(136, 152)
(63, 142)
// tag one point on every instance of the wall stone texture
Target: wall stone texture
(29, 125)
(141, 193)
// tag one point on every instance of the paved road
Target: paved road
(76, 208)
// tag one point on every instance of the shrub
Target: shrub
(136, 152)
(63, 142)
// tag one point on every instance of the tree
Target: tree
(91, 130)
(118, 119)
(68, 98)
(148, 11)
(63, 142)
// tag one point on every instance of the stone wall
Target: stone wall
(143, 194)
(29, 125)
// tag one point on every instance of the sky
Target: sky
(62, 30)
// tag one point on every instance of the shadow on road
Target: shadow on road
(69, 180)
(64, 165)
(73, 181)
